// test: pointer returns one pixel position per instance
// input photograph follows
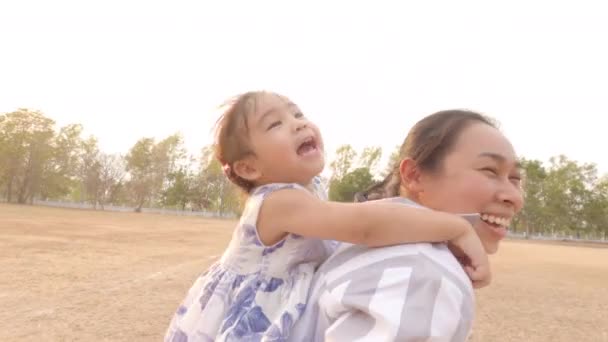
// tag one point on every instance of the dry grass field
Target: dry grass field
(70, 275)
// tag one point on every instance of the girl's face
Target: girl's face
(287, 146)
(480, 174)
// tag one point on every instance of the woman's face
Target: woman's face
(479, 175)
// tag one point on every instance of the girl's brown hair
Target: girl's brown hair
(232, 135)
(427, 143)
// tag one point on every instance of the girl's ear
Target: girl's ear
(247, 169)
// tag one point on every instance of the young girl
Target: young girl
(259, 287)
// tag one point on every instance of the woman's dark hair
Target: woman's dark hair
(427, 143)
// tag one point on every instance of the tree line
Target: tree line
(40, 161)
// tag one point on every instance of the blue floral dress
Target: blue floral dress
(254, 292)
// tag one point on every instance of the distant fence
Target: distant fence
(126, 209)
(593, 238)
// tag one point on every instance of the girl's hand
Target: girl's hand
(469, 251)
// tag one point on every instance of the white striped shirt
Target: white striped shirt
(410, 292)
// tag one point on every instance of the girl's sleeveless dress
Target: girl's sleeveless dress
(254, 292)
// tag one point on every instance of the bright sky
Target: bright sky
(364, 71)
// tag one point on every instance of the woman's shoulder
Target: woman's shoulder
(427, 262)
(402, 200)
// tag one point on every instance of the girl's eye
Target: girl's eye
(274, 124)
(516, 179)
(298, 115)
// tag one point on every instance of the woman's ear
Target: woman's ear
(410, 176)
(247, 169)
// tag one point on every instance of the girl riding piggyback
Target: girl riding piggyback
(259, 287)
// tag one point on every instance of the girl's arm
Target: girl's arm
(375, 224)
(372, 224)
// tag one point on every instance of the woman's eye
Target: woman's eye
(298, 115)
(490, 170)
(274, 124)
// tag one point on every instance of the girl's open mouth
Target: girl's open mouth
(307, 147)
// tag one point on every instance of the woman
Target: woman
(454, 161)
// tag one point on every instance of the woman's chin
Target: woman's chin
(491, 247)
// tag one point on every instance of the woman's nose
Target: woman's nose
(511, 194)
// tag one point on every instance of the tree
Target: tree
(139, 166)
(345, 181)
(167, 157)
(27, 148)
(149, 165)
(369, 158)
(61, 174)
(90, 171)
(211, 189)
(566, 197)
(111, 175)
(596, 209)
(567, 188)
(179, 193)
(533, 214)
(345, 189)
(200, 198)
(393, 159)
(343, 161)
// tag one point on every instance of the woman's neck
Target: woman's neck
(412, 197)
